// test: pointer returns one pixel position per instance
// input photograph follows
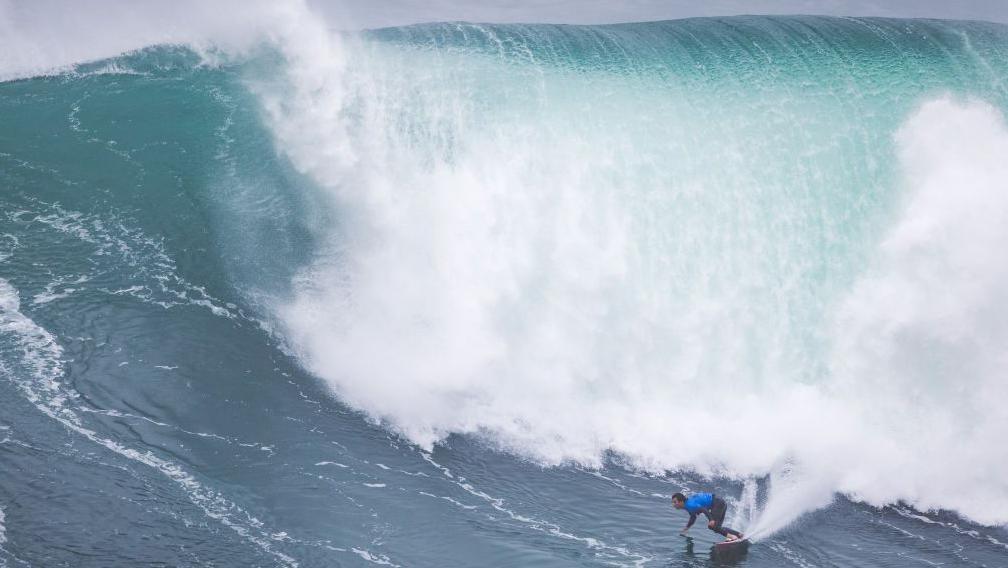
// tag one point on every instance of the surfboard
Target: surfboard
(728, 550)
(742, 542)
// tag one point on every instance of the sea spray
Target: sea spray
(655, 241)
(922, 339)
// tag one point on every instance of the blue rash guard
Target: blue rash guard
(698, 502)
(713, 507)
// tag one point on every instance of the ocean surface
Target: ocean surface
(488, 295)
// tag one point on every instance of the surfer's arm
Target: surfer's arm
(692, 519)
(693, 516)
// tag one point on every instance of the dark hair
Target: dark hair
(679, 497)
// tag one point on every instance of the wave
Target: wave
(679, 242)
(746, 247)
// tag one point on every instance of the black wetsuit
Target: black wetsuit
(714, 508)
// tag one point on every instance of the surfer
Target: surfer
(710, 505)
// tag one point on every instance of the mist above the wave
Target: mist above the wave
(49, 36)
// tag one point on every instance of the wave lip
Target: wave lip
(50, 37)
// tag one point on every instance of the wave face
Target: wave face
(725, 245)
(756, 254)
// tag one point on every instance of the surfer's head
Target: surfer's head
(678, 500)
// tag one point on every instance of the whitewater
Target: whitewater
(457, 294)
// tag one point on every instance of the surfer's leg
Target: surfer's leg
(717, 515)
(718, 510)
(727, 531)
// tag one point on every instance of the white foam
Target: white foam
(46, 297)
(379, 559)
(922, 341)
(911, 410)
(507, 281)
(449, 499)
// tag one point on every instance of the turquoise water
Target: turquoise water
(459, 294)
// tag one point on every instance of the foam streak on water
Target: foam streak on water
(37, 377)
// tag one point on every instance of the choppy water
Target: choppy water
(460, 295)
